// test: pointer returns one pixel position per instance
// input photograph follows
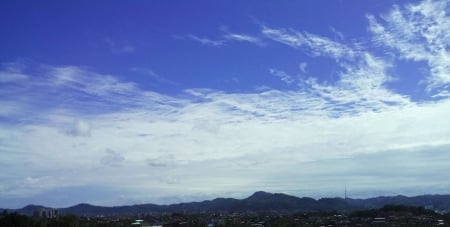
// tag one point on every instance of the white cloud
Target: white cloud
(419, 32)
(152, 74)
(227, 38)
(261, 136)
(362, 76)
(88, 82)
(302, 66)
(286, 78)
(161, 161)
(6, 77)
(243, 38)
(11, 73)
(80, 128)
(316, 45)
(123, 48)
(112, 158)
(207, 42)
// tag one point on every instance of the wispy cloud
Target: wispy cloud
(286, 78)
(418, 32)
(302, 66)
(122, 48)
(244, 38)
(11, 76)
(226, 38)
(152, 74)
(206, 41)
(362, 77)
(11, 72)
(316, 45)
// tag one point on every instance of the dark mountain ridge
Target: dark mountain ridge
(258, 202)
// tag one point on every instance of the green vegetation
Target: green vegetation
(394, 209)
(19, 220)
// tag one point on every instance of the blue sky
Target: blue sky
(123, 102)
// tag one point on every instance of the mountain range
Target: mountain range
(258, 202)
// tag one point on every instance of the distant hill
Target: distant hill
(258, 202)
(437, 202)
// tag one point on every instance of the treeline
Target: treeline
(397, 209)
(20, 220)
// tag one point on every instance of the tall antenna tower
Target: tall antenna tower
(345, 192)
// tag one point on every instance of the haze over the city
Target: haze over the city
(125, 102)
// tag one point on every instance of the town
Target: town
(389, 215)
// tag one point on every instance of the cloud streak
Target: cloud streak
(314, 44)
(116, 48)
(206, 41)
(244, 38)
(227, 38)
(288, 79)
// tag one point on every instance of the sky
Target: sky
(127, 102)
